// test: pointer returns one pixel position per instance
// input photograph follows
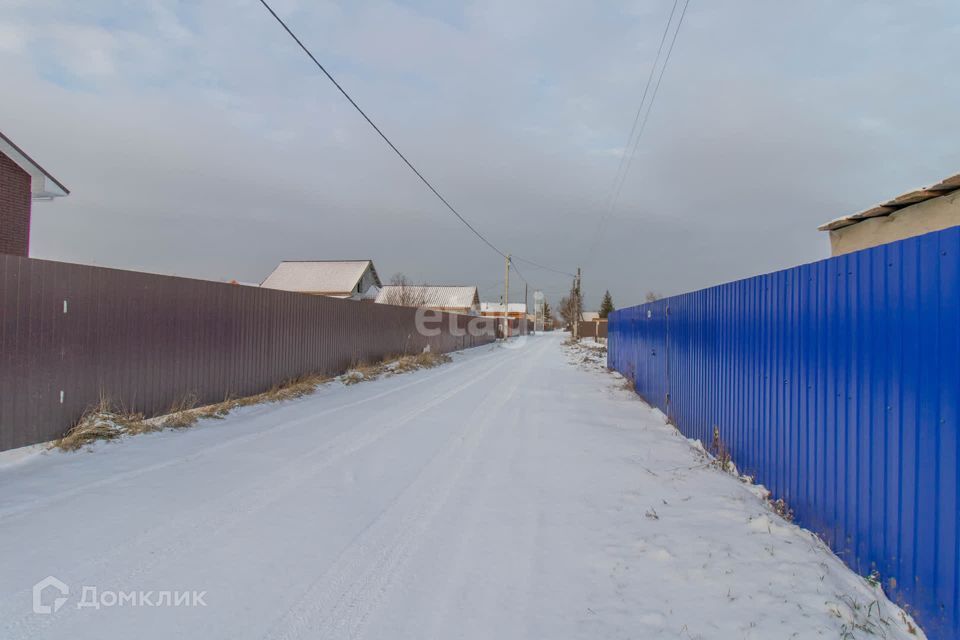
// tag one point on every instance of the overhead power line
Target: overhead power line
(626, 158)
(378, 130)
(643, 100)
(397, 151)
(513, 265)
(540, 266)
(653, 97)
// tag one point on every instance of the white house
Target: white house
(455, 299)
(911, 214)
(353, 279)
(495, 309)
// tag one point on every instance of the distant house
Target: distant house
(591, 325)
(911, 214)
(333, 278)
(516, 313)
(453, 299)
(21, 180)
(495, 309)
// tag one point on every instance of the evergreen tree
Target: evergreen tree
(607, 305)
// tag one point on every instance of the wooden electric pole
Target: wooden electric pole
(525, 287)
(579, 299)
(506, 300)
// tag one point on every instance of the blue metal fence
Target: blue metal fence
(837, 385)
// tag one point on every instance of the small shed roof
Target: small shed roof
(42, 185)
(437, 296)
(331, 277)
(942, 188)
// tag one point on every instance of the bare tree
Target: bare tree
(570, 306)
(400, 292)
(652, 296)
(568, 311)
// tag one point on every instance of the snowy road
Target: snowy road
(515, 493)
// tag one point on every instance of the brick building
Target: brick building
(21, 181)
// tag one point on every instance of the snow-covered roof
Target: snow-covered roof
(589, 316)
(329, 277)
(441, 296)
(42, 185)
(497, 307)
(942, 188)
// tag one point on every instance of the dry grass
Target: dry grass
(859, 617)
(394, 364)
(429, 359)
(102, 422)
(181, 414)
(289, 390)
(104, 426)
(105, 421)
(718, 448)
(911, 629)
(723, 460)
(361, 372)
(292, 389)
(213, 411)
(782, 509)
(403, 364)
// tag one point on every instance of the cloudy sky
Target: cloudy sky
(198, 140)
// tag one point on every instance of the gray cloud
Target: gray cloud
(205, 144)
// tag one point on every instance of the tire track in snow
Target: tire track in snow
(199, 454)
(477, 533)
(339, 603)
(192, 528)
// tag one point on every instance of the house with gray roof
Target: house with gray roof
(910, 214)
(454, 299)
(353, 279)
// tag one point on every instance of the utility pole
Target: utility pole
(538, 311)
(506, 300)
(525, 287)
(576, 325)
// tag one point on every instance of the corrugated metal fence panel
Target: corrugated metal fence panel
(836, 384)
(592, 329)
(147, 341)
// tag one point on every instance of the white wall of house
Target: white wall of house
(931, 215)
(366, 281)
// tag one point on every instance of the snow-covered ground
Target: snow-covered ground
(515, 493)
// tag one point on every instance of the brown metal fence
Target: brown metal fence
(71, 333)
(592, 329)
